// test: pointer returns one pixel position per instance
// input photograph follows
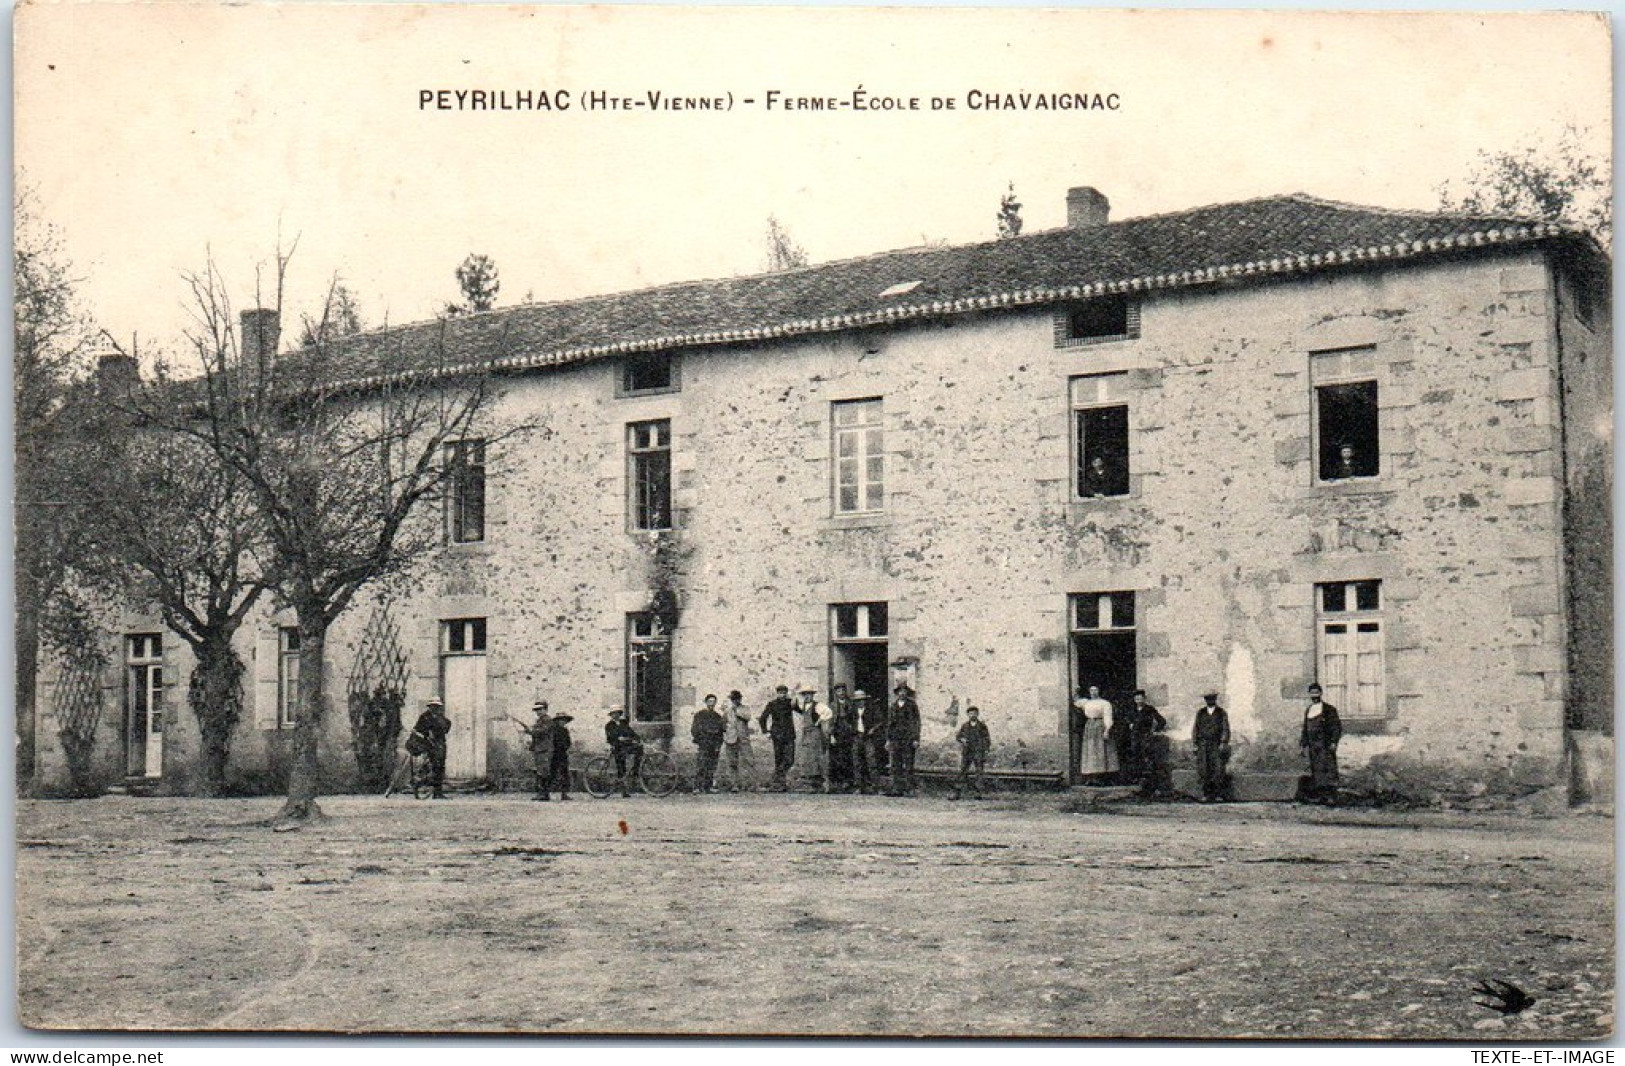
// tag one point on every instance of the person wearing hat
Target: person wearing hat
(623, 741)
(778, 721)
(974, 744)
(1211, 737)
(843, 740)
(558, 764)
(1322, 729)
(903, 737)
(812, 749)
(707, 730)
(861, 777)
(873, 716)
(541, 747)
(431, 727)
(735, 736)
(1151, 747)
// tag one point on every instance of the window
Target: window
(648, 372)
(1100, 435)
(1103, 610)
(144, 705)
(1349, 647)
(860, 456)
(1108, 318)
(648, 668)
(465, 476)
(859, 621)
(287, 677)
(465, 635)
(1346, 433)
(648, 449)
(858, 655)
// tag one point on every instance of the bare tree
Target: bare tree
(783, 253)
(337, 469)
(1560, 180)
(340, 318)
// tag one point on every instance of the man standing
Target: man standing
(1211, 736)
(778, 721)
(860, 743)
(433, 725)
(707, 731)
(735, 736)
(541, 747)
(903, 732)
(1150, 747)
(974, 744)
(1322, 729)
(623, 742)
(843, 736)
(558, 770)
(873, 722)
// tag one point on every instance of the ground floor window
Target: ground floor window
(1349, 653)
(648, 668)
(287, 677)
(144, 704)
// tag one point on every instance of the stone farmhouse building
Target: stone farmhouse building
(1243, 447)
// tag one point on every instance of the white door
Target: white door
(463, 682)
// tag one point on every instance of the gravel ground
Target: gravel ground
(812, 914)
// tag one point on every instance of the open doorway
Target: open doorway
(1104, 654)
(858, 650)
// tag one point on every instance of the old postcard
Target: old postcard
(879, 522)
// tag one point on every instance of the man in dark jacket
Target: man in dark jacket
(432, 726)
(974, 744)
(872, 721)
(1211, 737)
(1322, 729)
(624, 743)
(541, 748)
(843, 737)
(707, 732)
(903, 736)
(778, 721)
(559, 759)
(1151, 747)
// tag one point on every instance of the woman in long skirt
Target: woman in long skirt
(1096, 757)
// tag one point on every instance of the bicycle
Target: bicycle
(412, 772)
(657, 775)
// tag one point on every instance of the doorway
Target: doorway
(462, 685)
(1104, 654)
(858, 655)
(144, 705)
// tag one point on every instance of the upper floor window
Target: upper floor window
(648, 372)
(860, 456)
(1100, 435)
(648, 453)
(465, 479)
(1347, 438)
(1105, 318)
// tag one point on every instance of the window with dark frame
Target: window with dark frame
(1346, 425)
(1100, 436)
(648, 372)
(1350, 658)
(859, 621)
(1105, 318)
(464, 635)
(1102, 610)
(465, 475)
(648, 668)
(648, 448)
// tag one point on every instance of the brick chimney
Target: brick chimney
(1086, 208)
(262, 328)
(117, 375)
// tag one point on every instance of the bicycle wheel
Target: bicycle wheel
(599, 777)
(421, 788)
(659, 775)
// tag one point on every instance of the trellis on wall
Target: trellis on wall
(377, 692)
(78, 706)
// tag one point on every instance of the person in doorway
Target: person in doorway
(861, 778)
(778, 721)
(873, 716)
(1211, 737)
(843, 740)
(1322, 729)
(1096, 758)
(1150, 747)
(559, 761)
(540, 735)
(432, 727)
(974, 743)
(624, 745)
(812, 747)
(735, 736)
(707, 730)
(903, 736)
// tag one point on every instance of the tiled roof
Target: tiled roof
(1247, 241)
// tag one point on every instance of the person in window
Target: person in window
(1211, 737)
(974, 743)
(624, 742)
(1100, 479)
(1346, 465)
(1322, 730)
(778, 721)
(708, 730)
(1096, 757)
(903, 734)
(431, 729)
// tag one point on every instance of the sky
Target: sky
(158, 136)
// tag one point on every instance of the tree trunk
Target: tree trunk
(305, 770)
(216, 698)
(27, 636)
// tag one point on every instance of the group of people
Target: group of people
(853, 744)
(1131, 745)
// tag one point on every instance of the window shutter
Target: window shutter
(265, 688)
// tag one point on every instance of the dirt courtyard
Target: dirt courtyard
(812, 914)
